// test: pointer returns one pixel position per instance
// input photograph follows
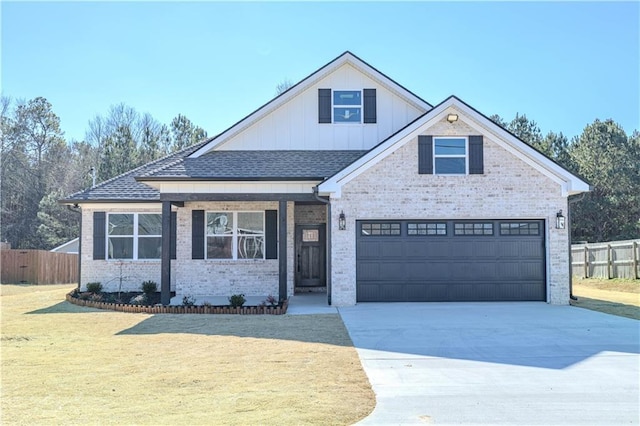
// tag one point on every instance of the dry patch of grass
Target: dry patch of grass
(616, 297)
(66, 364)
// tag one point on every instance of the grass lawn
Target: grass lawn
(65, 364)
(617, 296)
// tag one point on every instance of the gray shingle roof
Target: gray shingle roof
(218, 165)
(125, 187)
(256, 165)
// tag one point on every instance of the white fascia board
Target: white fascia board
(122, 206)
(569, 183)
(277, 102)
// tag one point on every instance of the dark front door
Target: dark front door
(310, 256)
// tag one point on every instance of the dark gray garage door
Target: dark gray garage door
(447, 260)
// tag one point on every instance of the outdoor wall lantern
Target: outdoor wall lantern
(452, 118)
(342, 221)
(559, 220)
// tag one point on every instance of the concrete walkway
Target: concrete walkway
(497, 363)
(310, 303)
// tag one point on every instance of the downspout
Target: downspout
(328, 236)
(73, 209)
(569, 202)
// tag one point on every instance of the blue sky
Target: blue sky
(561, 64)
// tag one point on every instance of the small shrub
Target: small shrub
(271, 300)
(140, 299)
(149, 287)
(94, 288)
(94, 297)
(188, 301)
(84, 296)
(237, 300)
(207, 304)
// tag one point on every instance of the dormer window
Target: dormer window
(347, 106)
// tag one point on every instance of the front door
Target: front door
(310, 256)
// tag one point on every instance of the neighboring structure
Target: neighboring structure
(71, 247)
(349, 183)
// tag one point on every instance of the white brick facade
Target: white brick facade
(393, 189)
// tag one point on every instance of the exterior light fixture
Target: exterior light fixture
(559, 220)
(452, 118)
(342, 221)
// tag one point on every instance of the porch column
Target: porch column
(282, 249)
(165, 282)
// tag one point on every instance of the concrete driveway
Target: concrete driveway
(497, 363)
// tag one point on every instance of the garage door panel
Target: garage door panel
(437, 267)
(427, 248)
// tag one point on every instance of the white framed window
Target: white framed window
(450, 155)
(347, 106)
(135, 236)
(234, 235)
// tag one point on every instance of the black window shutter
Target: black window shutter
(197, 234)
(174, 228)
(369, 105)
(476, 156)
(425, 155)
(324, 105)
(271, 234)
(99, 228)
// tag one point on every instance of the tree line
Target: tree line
(39, 167)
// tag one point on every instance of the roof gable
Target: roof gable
(570, 183)
(347, 58)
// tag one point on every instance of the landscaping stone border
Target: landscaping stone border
(180, 309)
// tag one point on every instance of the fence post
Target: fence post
(634, 262)
(609, 262)
(586, 261)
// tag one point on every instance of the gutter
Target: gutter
(328, 242)
(569, 202)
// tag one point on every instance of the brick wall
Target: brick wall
(508, 189)
(227, 277)
(108, 272)
(188, 276)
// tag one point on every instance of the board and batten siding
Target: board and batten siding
(295, 125)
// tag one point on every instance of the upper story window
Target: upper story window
(347, 106)
(450, 155)
(134, 236)
(235, 235)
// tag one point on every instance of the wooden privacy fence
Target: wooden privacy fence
(615, 259)
(38, 267)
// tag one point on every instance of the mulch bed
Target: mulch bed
(118, 302)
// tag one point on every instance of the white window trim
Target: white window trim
(135, 238)
(360, 106)
(234, 236)
(465, 156)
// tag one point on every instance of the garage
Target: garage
(450, 260)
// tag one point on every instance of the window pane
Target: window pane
(121, 224)
(346, 115)
(450, 146)
(219, 223)
(121, 248)
(149, 224)
(446, 166)
(149, 248)
(347, 97)
(251, 223)
(219, 248)
(251, 247)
